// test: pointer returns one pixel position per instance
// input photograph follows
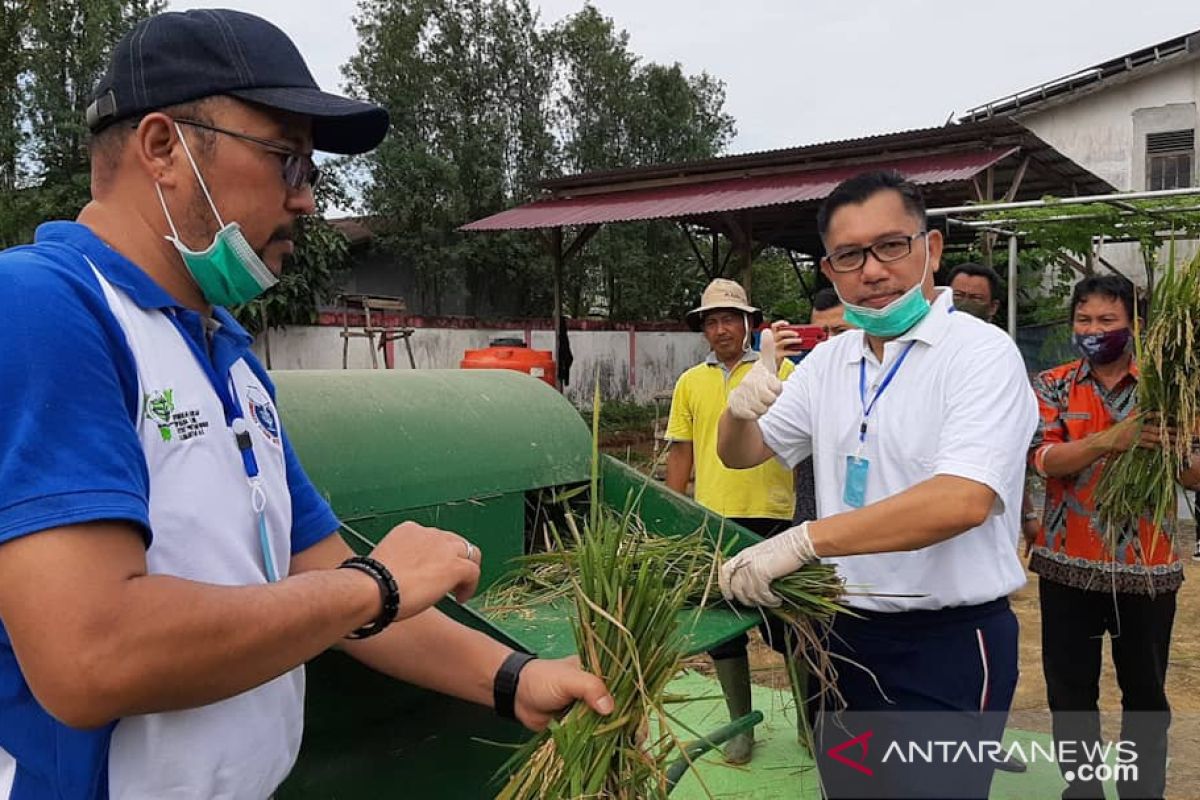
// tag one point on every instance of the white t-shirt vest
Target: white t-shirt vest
(205, 529)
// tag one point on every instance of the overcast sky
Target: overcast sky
(801, 71)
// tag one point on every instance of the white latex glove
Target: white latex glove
(751, 398)
(747, 576)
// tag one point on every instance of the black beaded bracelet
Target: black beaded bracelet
(504, 687)
(389, 593)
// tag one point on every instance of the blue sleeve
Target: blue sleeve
(69, 452)
(312, 517)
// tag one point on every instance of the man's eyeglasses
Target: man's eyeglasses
(893, 248)
(299, 171)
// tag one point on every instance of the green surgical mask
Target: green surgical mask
(228, 272)
(897, 316)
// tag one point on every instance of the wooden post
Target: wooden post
(746, 256)
(1012, 287)
(556, 254)
(988, 239)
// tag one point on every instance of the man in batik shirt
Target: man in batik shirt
(1088, 414)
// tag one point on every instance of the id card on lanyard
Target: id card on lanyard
(235, 420)
(854, 491)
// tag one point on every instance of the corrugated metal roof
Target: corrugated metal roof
(1131, 65)
(997, 132)
(729, 194)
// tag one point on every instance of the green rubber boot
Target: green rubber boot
(734, 675)
(798, 679)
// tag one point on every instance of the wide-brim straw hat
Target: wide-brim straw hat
(722, 294)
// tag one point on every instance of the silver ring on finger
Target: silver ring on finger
(470, 551)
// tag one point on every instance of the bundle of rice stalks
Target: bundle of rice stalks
(628, 588)
(1141, 483)
(626, 630)
(810, 594)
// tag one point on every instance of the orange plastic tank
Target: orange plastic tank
(538, 363)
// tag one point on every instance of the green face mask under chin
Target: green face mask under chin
(228, 272)
(897, 316)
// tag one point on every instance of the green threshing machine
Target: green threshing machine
(471, 452)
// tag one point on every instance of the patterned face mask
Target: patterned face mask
(1103, 348)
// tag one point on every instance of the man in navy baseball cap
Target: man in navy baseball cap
(176, 58)
(166, 566)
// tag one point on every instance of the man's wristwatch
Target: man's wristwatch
(504, 687)
(1029, 516)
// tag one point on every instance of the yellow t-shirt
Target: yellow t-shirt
(701, 394)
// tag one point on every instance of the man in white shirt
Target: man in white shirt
(918, 429)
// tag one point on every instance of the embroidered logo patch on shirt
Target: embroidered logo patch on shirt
(263, 413)
(174, 424)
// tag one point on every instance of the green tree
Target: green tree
(485, 105)
(615, 112)
(466, 82)
(56, 51)
(14, 16)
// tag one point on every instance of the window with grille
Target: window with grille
(1169, 159)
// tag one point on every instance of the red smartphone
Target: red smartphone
(810, 335)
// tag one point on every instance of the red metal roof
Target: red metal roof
(729, 194)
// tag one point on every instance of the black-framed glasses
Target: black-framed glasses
(892, 248)
(299, 170)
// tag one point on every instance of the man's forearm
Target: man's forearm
(435, 652)
(1065, 459)
(428, 649)
(679, 466)
(930, 512)
(740, 442)
(171, 644)
(123, 642)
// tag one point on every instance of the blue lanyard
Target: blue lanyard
(862, 388)
(225, 356)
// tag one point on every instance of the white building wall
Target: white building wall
(657, 358)
(1105, 132)
(1097, 130)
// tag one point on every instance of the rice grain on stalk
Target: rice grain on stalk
(1141, 483)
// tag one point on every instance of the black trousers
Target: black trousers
(773, 631)
(1074, 622)
(915, 676)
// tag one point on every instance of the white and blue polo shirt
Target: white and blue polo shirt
(109, 410)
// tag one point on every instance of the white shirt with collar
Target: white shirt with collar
(960, 404)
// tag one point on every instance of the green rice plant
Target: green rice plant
(626, 630)
(1140, 482)
(629, 589)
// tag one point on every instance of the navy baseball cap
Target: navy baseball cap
(178, 57)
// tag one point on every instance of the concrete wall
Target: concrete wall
(632, 365)
(1105, 131)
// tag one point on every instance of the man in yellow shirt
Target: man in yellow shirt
(762, 498)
